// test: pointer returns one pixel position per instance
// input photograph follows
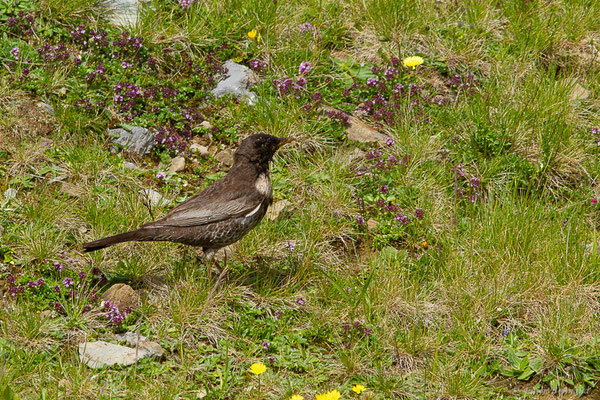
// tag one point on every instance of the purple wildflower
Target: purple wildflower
(301, 301)
(304, 67)
(161, 175)
(389, 141)
(265, 345)
(67, 282)
(419, 213)
(15, 52)
(372, 82)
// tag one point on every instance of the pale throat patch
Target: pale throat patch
(263, 185)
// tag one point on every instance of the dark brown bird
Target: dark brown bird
(223, 212)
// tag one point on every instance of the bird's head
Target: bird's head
(259, 148)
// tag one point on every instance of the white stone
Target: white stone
(100, 354)
(139, 140)
(177, 164)
(206, 125)
(202, 151)
(237, 82)
(10, 194)
(154, 197)
(282, 207)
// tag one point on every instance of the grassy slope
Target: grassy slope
(507, 283)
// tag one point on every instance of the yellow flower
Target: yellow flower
(333, 395)
(413, 61)
(424, 244)
(253, 34)
(296, 397)
(358, 389)
(258, 368)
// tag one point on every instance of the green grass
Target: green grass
(488, 290)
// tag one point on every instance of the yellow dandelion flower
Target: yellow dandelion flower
(424, 244)
(413, 61)
(258, 368)
(333, 395)
(358, 389)
(296, 397)
(254, 35)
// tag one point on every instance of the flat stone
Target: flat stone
(177, 164)
(202, 151)
(122, 296)
(155, 198)
(238, 80)
(371, 225)
(10, 194)
(139, 140)
(101, 354)
(206, 125)
(279, 209)
(199, 149)
(131, 338)
(46, 107)
(578, 92)
(359, 131)
(124, 12)
(225, 157)
(129, 165)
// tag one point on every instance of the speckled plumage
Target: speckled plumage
(222, 213)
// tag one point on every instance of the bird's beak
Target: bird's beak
(285, 141)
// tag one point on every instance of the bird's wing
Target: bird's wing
(206, 207)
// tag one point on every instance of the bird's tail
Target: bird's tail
(136, 235)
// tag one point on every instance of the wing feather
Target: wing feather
(205, 207)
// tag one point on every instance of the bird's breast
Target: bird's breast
(263, 185)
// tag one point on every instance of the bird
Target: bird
(222, 213)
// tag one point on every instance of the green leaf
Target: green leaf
(580, 389)
(526, 374)
(536, 364)
(7, 394)
(512, 358)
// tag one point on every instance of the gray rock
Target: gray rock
(131, 338)
(129, 165)
(155, 198)
(177, 164)
(124, 12)
(202, 151)
(279, 209)
(46, 107)
(10, 194)
(100, 354)
(225, 157)
(139, 140)
(238, 81)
